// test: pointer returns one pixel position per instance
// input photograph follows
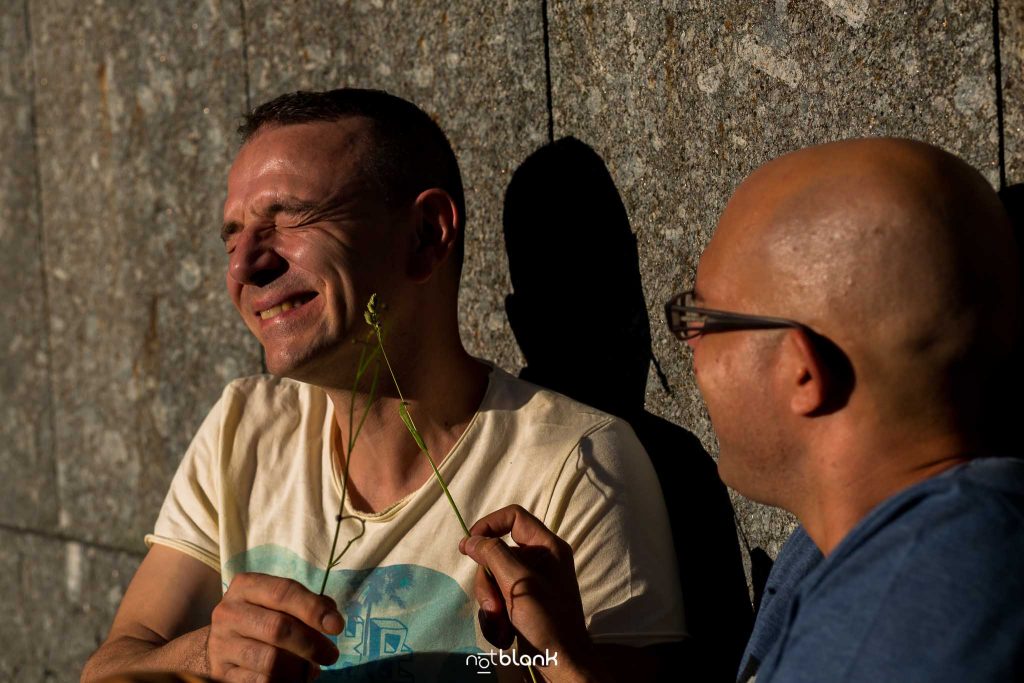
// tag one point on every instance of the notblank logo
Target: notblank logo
(485, 662)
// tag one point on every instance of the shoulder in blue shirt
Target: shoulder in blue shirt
(928, 587)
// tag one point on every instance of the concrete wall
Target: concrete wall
(116, 131)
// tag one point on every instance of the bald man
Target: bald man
(849, 323)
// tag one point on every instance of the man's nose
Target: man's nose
(254, 261)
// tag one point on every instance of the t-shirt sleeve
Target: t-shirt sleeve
(188, 520)
(607, 504)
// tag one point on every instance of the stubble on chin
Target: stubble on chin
(727, 473)
(755, 474)
(298, 364)
(319, 364)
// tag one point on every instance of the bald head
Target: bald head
(896, 251)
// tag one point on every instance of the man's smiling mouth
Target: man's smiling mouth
(284, 306)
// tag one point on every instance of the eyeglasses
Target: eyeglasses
(687, 321)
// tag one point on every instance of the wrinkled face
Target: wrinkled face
(733, 372)
(308, 240)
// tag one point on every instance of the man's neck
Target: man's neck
(387, 465)
(848, 483)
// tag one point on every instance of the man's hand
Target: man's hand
(533, 592)
(269, 629)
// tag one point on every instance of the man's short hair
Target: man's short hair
(410, 152)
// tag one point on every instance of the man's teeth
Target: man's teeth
(280, 308)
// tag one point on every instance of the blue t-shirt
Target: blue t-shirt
(798, 557)
(928, 587)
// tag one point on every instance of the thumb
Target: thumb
(495, 556)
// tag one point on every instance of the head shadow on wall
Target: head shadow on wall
(578, 312)
(1008, 403)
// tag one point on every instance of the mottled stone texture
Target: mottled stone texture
(27, 475)
(59, 598)
(683, 99)
(476, 67)
(135, 103)
(1011, 29)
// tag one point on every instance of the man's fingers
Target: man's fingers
(494, 621)
(240, 675)
(526, 529)
(497, 629)
(508, 573)
(494, 555)
(244, 675)
(285, 595)
(277, 629)
(270, 661)
(488, 595)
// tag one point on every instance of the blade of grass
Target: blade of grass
(403, 411)
(372, 317)
(364, 361)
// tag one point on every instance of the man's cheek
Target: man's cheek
(233, 288)
(234, 293)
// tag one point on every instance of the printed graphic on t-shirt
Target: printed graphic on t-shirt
(403, 622)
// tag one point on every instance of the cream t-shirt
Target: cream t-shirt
(258, 491)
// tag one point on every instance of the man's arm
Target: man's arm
(163, 621)
(173, 617)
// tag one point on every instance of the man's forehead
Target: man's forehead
(294, 146)
(706, 274)
(306, 158)
(732, 264)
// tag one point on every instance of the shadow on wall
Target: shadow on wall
(1008, 405)
(578, 313)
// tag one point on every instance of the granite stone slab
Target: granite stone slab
(27, 473)
(1011, 30)
(135, 106)
(59, 600)
(476, 67)
(684, 99)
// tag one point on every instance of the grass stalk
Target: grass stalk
(372, 316)
(365, 358)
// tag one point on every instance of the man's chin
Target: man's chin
(292, 370)
(321, 368)
(725, 473)
(735, 478)
(760, 486)
(283, 364)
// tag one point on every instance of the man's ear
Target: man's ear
(815, 372)
(803, 374)
(437, 231)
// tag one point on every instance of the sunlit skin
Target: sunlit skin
(868, 242)
(304, 220)
(300, 220)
